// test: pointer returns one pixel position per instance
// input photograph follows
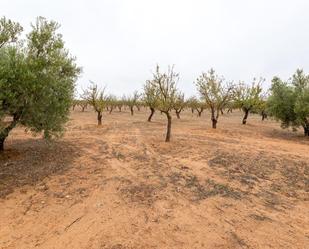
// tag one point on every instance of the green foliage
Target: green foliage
(9, 31)
(37, 81)
(289, 101)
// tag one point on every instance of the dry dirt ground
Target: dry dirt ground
(120, 186)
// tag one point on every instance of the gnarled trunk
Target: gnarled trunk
(99, 118)
(214, 123)
(169, 127)
(152, 111)
(214, 119)
(244, 120)
(199, 112)
(132, 110)
(178, 113)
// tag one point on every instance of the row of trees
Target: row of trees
(161, 93)
(286, 101)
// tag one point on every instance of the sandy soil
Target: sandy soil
(121, 186)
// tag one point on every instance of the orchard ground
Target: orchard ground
(120, 186)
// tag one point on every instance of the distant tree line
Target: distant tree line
(287, 102)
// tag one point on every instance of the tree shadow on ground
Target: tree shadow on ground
(27, 162)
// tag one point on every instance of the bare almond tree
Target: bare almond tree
(248, 97)
(180, 104)
(150, 97)
(215, 92)
(165, 85)
(97, 99)
(132, 101)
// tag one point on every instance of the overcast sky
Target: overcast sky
(119, 42)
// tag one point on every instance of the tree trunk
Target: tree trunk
(151, 114)
(5, 132)
(99, 118)
(264, 115)
(169, 127)
(83, 108)
(199, 112)
(221, 111)
(119, 107)
(132, 111)
(178, 114)
(111, 110)
(138, 108)
(2, 144)
(213, 119)
(244, 121)
(192, 110)
(214, 123)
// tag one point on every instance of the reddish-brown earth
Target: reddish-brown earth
(121, 186)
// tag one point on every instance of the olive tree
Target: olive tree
(248, 97)
(97, 99)
(37, 79)
(289, 101)
(215, 92)
(165, 85)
